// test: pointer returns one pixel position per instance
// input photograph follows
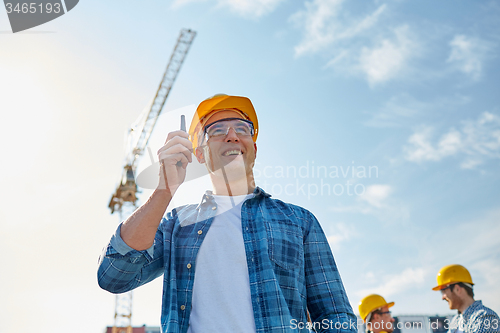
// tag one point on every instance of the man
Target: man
(237, 262)
(455, 284)
(374, 311)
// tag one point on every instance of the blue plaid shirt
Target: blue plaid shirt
(290, 264)
(476, 319)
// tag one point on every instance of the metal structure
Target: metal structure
(139, 135)
(123, 314)
(124, 200)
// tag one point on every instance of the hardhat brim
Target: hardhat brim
(390, 304)
(442, 286)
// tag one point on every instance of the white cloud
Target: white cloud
(470, 163)
(329, 28)
(424, 150)
(375, 195)
(322, 25)
(254, 8)
(397, 110)
(180, 3)
(421, 149)
(245, 8)
(318, 23)
(388, 59)
(396, 283)
(342, 56)
(376, 201)
(341, 233)
(468, 54)
(477, 140)
(450, 143)
(403, 109)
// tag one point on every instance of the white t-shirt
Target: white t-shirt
(221, 292)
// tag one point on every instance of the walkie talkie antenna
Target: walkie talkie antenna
(183, 128)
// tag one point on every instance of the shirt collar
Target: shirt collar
(208, 197)
(260, 192)
(472, 308)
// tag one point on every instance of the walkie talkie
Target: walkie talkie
(183, 128)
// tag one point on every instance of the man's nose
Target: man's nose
(231, 136)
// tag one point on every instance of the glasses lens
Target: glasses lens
(221, 128)
(444, 289)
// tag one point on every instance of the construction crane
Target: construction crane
(124, 199)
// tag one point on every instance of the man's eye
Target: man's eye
(242, 130)
(217, 132)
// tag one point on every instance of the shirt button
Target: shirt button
(214, 208)
(200, 232)
(188, 266)
(183, 307)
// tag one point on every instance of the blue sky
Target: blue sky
(403, 88)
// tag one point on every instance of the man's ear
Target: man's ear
(458, 289)
(255, 146)
(198, 152)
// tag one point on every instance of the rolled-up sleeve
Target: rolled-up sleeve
(121, 268)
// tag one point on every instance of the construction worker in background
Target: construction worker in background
(237, 262)
(456, 286)
(374, 311)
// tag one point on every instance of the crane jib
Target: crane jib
(127, 188)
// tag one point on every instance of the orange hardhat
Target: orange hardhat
(452, 274)
(242, 105)
(371, 303)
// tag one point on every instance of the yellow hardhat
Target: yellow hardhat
(452, 274)
(221, 102)
(371, 303)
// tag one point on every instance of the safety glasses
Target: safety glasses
(219, 129)
(449, 287)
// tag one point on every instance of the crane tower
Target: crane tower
(124, 199)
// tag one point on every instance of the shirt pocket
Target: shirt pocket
(285, 246)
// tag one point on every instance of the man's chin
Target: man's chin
(236, 164)
(234, 170)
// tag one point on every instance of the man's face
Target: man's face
(232, 152)
(382, 321)
(449, 295)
